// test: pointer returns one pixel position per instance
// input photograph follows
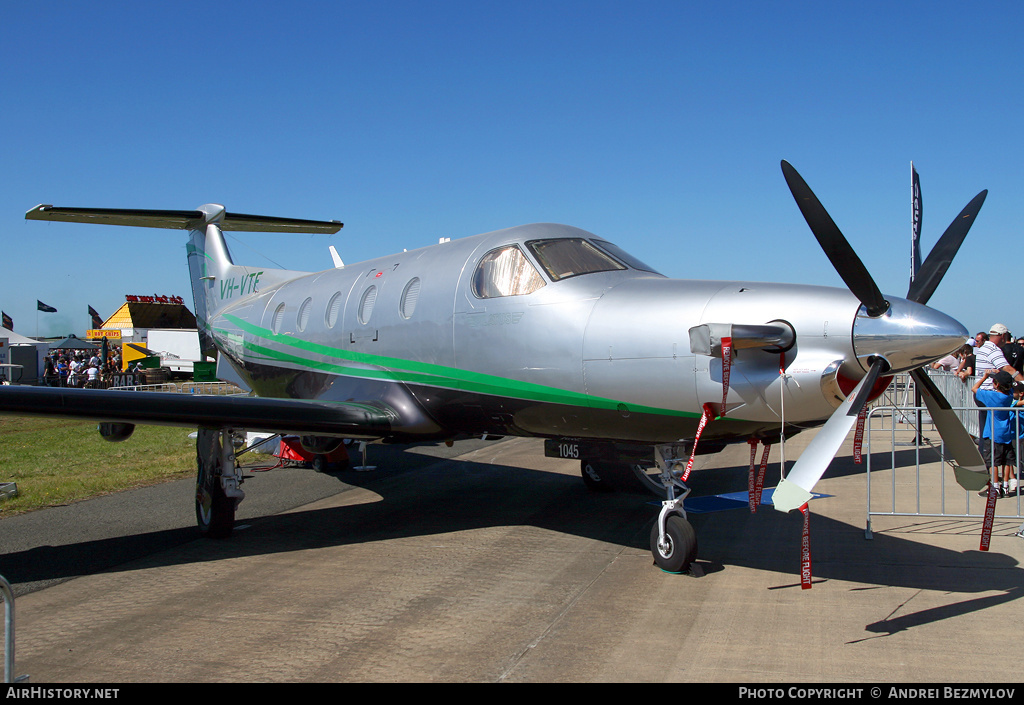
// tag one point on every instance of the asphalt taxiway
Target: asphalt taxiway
(489, 562)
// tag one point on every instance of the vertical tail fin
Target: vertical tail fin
(209, 262)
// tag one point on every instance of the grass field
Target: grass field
(56, 461)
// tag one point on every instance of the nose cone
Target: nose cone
(908, 335)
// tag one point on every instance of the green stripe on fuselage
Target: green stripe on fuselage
(395, 369)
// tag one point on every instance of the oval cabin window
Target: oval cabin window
(275, 324)
(366, 304)
(333, 309)
(303, 317)
(410, 295)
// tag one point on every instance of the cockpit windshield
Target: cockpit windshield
(571, 256)
(568, 257)
(506, 271)
(623, 256)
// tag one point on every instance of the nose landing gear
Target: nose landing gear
(673, 540)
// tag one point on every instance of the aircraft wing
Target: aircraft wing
(294, 416)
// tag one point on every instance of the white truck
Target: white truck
(178, 349)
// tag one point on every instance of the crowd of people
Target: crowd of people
(964, 362)
(80, 368)
(996, 361)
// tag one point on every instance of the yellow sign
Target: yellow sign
(101, 333)
(129, 355)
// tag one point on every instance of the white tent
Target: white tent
(32, 364)
(18, 339)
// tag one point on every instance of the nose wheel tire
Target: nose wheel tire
(679, 548)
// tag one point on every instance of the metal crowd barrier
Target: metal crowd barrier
(900, 396)
(8, 596)
(199, 388)
(916, 451)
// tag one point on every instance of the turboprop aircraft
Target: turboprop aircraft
(539, 330)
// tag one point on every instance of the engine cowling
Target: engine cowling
(116, 432)
(320, 445)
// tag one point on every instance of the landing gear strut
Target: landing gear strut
(673, 540)
(218, 483)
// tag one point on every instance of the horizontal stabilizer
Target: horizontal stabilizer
(183, 220)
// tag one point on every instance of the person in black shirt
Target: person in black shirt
(1013, 352)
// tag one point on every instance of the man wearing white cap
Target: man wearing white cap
(989, 357)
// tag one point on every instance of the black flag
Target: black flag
(8, 323)
(40, 306)
(915, 236)
(97, 321)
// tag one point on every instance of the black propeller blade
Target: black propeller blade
(971, 472)
(939, 259)
(836, 247)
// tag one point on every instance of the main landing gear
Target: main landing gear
(218, 483)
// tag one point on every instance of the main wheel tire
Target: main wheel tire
(591, 471)
(681, 545)
(215, 511)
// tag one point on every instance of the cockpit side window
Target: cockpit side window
(568, 257)
(505, 271)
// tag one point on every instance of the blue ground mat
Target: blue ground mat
(729, 500)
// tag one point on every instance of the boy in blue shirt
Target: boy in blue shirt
(997, 436)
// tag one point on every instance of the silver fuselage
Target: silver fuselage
(601, 355)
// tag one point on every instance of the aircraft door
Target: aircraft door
(491, 304)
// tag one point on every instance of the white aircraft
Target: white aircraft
(540, 330)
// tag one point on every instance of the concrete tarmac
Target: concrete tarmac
(495, 564)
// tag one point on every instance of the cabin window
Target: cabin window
(333, 309)
(505, 272)
(366, 304)
(303, 316)
(275, 324)
(410, 295)
(571, 256)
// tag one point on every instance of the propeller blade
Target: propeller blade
(836, 247)
(939, 259)
(970, 471)
(794, 490)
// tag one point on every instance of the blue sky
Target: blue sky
(658, 125)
